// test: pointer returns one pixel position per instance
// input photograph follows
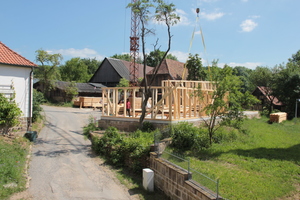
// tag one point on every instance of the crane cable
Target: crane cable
(191, 42)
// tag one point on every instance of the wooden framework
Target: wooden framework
(174, 100)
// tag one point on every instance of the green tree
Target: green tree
(264, 76)
(195, 68)
(123, 83)
(244, 73)
(155, 56)
(125, 57)
(71, 91)
(287, 85)
(164, 13)
(9, 113)
(227, 101)
(74, 70)
(92, 65)
(47, 72)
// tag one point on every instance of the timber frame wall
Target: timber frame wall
(174, 100)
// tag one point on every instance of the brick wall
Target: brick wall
(174, 181)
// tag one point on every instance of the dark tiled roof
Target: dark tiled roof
(172, 67)
(123, 67)
(82, 87)
(10, 57)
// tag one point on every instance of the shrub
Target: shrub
(37, 100)
(147, 127)
(9, 114)
(185, 136)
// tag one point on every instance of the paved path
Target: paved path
(62, 164)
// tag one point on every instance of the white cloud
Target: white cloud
(82, 53)
(244, 0)
(212, 16)
(183, 17)
(248, 25)
(250, 65)
(181, 56)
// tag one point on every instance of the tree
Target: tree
(123, 83)
(71, 91)
(47, 72)
(92, 65)
(244, 73)
(125, 57)
(227, 101)
(195, 68)
(264, 76)
(9, 113)
(74, 70)
(155, 56)
(164, 13)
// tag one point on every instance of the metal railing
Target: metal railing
(201, 180)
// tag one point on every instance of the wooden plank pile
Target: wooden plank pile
(278, 117)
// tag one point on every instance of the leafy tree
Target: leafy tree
(155, 56)
(71, 91)
(74, 70)
(9, 113)
(287, 86)
(264, 76)
(164, 13)
(295, 59)
(125, 57)
(195, 68)
(92, 65)
(123, 83)
(244, 73)
(227, 101)
(47, 72)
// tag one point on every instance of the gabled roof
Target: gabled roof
(123, 68)
(10, 57)
(172, 67)
(266, 91)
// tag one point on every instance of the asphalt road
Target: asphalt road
(62, 164)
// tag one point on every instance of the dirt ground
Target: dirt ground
(62, 165)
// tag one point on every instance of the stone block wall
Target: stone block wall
(174, 181)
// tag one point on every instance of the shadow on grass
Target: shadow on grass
(289, 154)
(134, 182)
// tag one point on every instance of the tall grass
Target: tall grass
(12, 161)
(262, 163)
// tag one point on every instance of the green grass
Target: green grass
(13, 154)
(262, 163)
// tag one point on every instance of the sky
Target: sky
(246, 33)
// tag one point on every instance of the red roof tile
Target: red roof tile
(172, 67)
(10, 57)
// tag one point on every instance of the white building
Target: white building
(16, 77)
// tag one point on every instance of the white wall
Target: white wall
(20, 77)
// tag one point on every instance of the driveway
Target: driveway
(62, 164)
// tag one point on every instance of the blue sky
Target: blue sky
(246, 33)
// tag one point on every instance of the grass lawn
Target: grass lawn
(13, 154)
(263, 163)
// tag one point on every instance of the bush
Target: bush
(37, 100)
(185, 136)
(148, 127)
(131, 151)
(9, 114)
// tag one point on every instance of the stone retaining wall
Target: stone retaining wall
(174, 181)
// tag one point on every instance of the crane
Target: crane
(134, 47)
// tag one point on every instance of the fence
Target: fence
(206, 183)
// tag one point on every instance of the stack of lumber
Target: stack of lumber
(278, 117)
(88, 102)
